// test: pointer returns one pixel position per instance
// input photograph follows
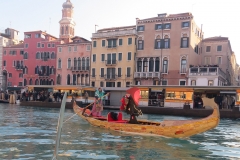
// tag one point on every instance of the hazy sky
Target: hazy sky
(219, 18)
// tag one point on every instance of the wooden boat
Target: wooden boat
(166, 128)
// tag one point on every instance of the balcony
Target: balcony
(114, 33)
(43, 75)
(19, 67)
(112, 46)
(110, 76)
(183, 71)
(78, 69)
(206, 71)
(146, 75)
(111, 62)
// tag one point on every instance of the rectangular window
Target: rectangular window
(93, 72)
(20, 83)
(88, 48)
(102, 72)
(129, 41)
(182, 83)
(158, 26)
(127, 84)
(20, 75)
(140, 28)
(59, 49)
(101, 84)
(14, 63)
(140, 44)
(111, 73)
(185, 24)
(5, 52)
(94, 58)
(38, 45)
(120, 41)
(27, 36)
(9, 84)
(166, 43)
(94, 43)
(49, 45)
(103, 57)
(207, 60)
(119, 72)
(184, 42)
(118, 84)
(167, 26)
(129, 56)
(128, 72)
(4, 63)
(37, 35)
(119, 56)
(26, 45)
(93, 84)
(219, 60)
(208, 49)
(112, 43)
(210, 83)
(219, 48)
(193, 82)
(110, 84)
(42, 45)
(164, 82)
(103, 43)
(75, 48)
(69, 49)
(9, 74)
(53, 45)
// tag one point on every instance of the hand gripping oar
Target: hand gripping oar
(92, 104)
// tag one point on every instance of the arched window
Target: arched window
(165, 65)
(139, 65)
(51, 82)
(52, 70)
(62, 30)
(25, 82)
(25, 70)
(83, 63)
(36, 82)
(74, 79)
(145, 65)
(151, 63)
(183, 65)
(66, 29)
(38, 56)
(47, 82)
(68, 79)
(37, 70)
(69, 63)
(166, 41)
(53, 55)
(87, 64)
(75, 63)
(158, 42)
(43, 82)
(59, 79)
(25, 55)
(59, 63)
(79, 63)
(157, 64)
(30, 82)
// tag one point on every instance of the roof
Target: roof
(21, 45)
(114, 28)
(169, 16)
(45, 33)
(5, 35)
(215, 39)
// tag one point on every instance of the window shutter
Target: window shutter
(181, 46)
(170, 26)
(187, 42)
(142, 45)
(168, 42)
(155, 43)
(156, 26)
(162, 43)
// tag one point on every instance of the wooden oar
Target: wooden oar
(92, 104)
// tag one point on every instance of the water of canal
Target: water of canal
(30, 132)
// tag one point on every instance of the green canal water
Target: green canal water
(30, 133)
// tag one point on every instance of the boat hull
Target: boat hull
(167, 128)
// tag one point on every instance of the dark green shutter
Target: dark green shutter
(168, 42)
(187, 42)
(181, 46)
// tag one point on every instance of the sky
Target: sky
(218, 17)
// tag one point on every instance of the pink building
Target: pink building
(13, 64)
(39, 58)
(73, 62)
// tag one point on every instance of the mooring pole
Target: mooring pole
(59, 126)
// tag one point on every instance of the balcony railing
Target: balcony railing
(110, 76)
(183, 70)
(43, 74)
(112, 46)
(110, 62)
(114, 33)
(19, 67)
(206, 71)
(83, 68)
(146, 75)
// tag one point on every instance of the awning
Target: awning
(228, 92)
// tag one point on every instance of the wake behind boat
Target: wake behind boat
(166, 128)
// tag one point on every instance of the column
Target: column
(148, 64)
(154, 59)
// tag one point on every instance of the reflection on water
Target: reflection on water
(29, 133)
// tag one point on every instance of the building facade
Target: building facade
(217, 66)
(8, 38)
(73, 62)
(166, 46)
(13, 65)
(39, 58)
(113, 57)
